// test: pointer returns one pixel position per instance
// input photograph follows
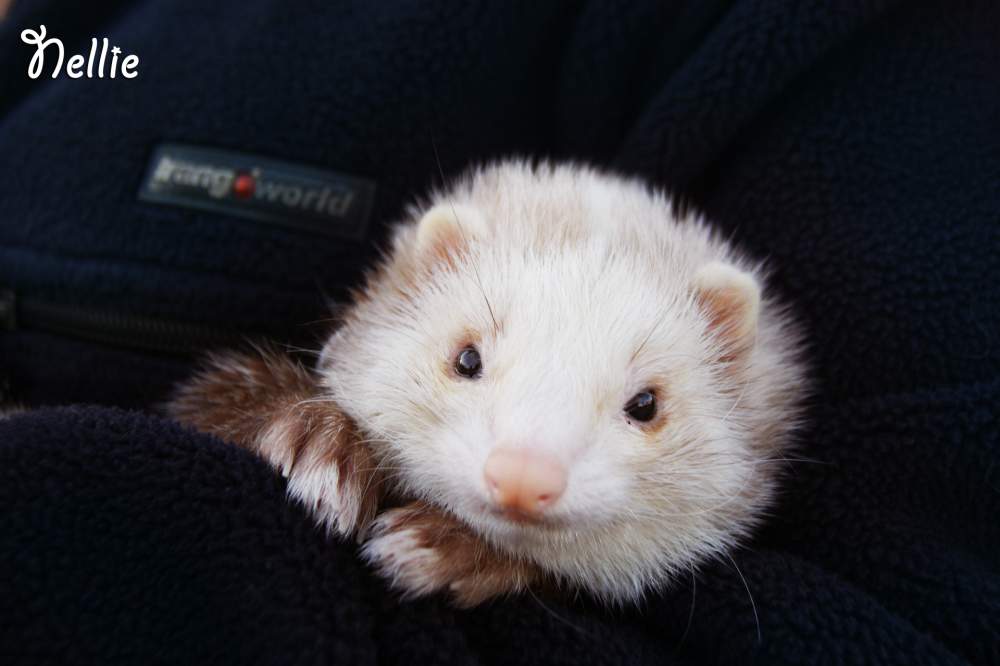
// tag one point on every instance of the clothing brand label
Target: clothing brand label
(259, 188)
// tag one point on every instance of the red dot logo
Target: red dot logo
(244, 186)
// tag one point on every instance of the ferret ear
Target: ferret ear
(731, 300)
(447, 228)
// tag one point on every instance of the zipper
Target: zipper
(136, 332)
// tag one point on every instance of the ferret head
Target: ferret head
(586, 378)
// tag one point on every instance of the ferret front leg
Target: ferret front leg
(270, 404)
(421, 550)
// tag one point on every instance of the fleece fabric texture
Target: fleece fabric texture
(854, 145)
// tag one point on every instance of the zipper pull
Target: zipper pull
(8, 310)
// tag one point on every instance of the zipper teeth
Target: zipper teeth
(130, 331)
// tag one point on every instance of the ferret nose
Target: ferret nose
(524, 482)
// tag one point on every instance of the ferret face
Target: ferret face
(571, 386)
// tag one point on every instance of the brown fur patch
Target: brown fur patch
(236, 394)
(268, 403)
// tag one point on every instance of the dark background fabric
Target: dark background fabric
(854, 145)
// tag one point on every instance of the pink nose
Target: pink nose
(524, 482)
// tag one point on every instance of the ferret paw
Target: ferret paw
(336, 507)
(421, 550)
(328, 470)
(270, 404)
(402, 555)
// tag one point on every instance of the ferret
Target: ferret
(563, 377)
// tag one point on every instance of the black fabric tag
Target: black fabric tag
(259, 188)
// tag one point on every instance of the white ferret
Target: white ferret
(556, 376)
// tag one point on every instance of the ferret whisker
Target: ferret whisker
(332, 319)
(807, 461)
(381, 468)
(725, 501)
(465, 241)
(369, 440)
(690, 620)
(645, 340)
(556, 615)
(700, 469)
(376, 473)
(753, 606)
(315, 400)
(732, 409)
(301, 350)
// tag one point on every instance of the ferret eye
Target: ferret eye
(642, 406)
(468, 364)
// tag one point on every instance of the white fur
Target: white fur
(401, 558)
(317, 488)
(276, 444)
(579, 290)
(315, 485)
